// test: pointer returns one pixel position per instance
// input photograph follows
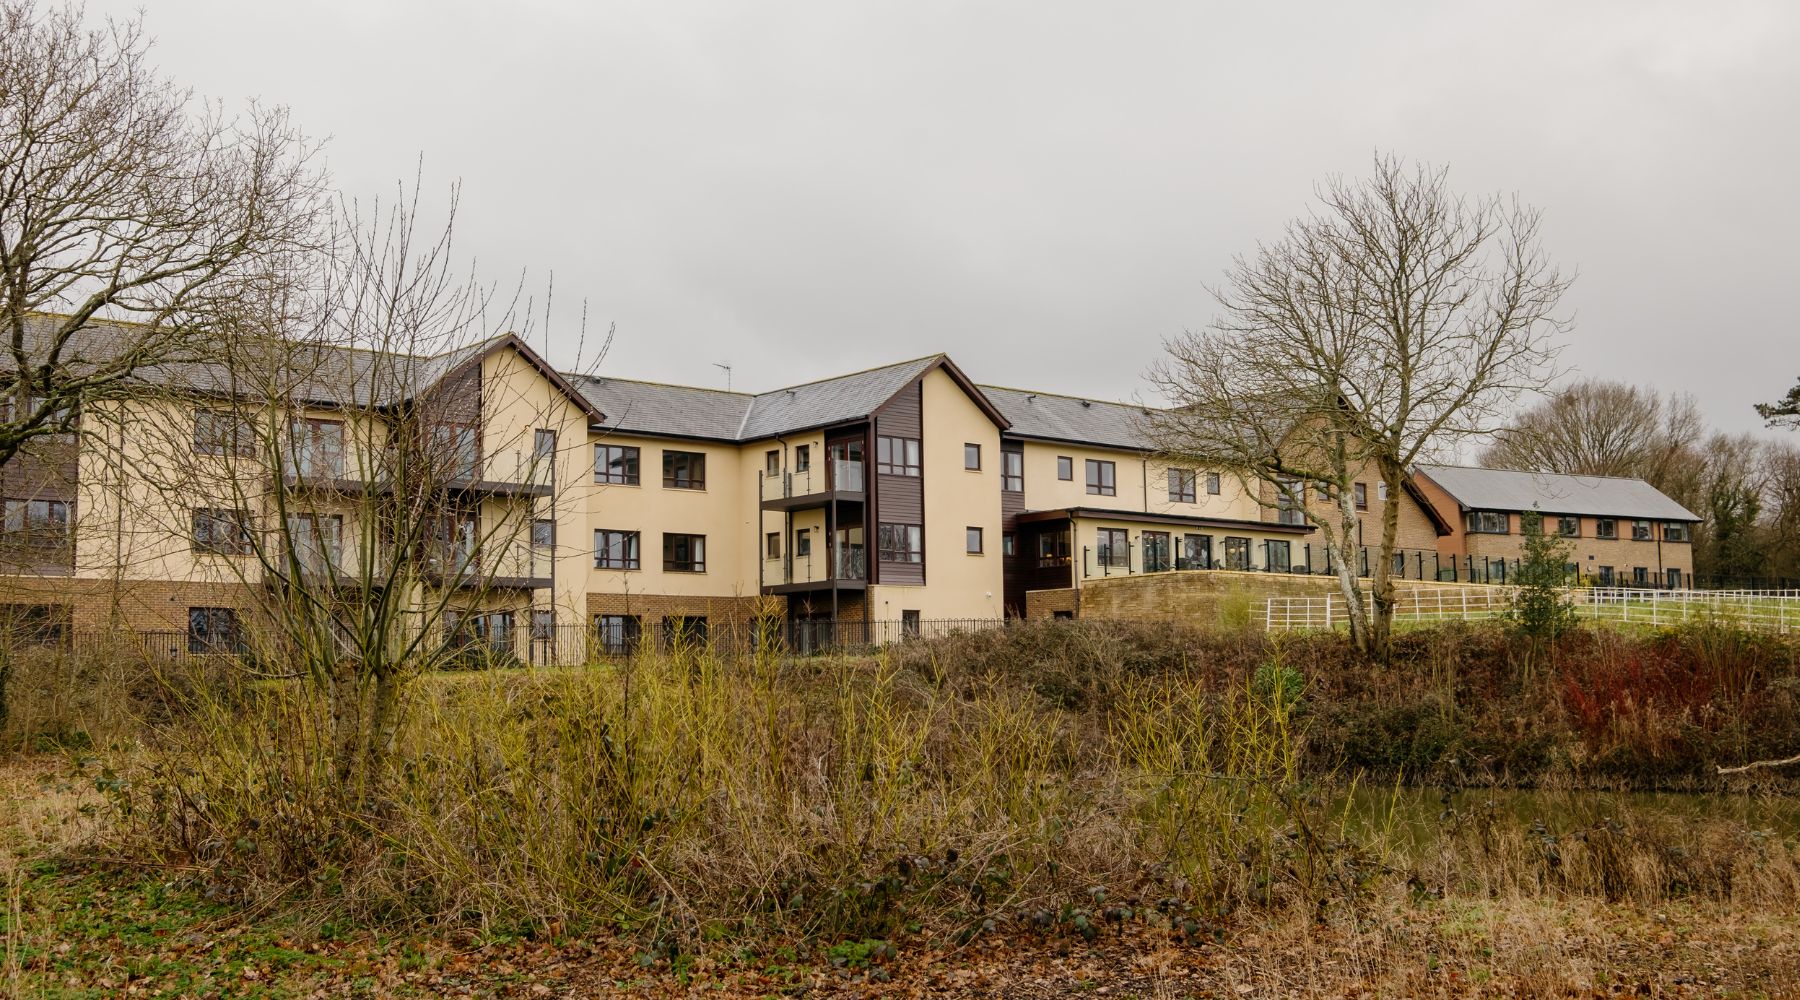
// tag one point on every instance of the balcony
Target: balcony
(511, 474)
(846, 569)
(814, 487)
(508, 565)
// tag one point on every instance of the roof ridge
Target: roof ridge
(663, 385)
(859, 371)
(1535, 472)
(1066, 395)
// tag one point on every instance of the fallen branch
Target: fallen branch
(1760, 763)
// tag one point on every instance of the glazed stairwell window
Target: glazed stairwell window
(897, 456)
(900, 543)
(684, 470)
(1053, 549)
(1102, 478)
(616, 465)
(1012, 471)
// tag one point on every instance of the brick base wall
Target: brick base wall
(138, 605)
(1046, 603)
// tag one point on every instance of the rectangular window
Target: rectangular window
(972, 540)
(1237, 553)
(543, 533)
(543, 446)
(1212, 484)
(1569, 527)
(1065, 468)
(1102, 478)
(972, 456)
(802, 457)
(1489, 522)
(221, 531)
(221, 432)
(1009, 544)
(36, 624)
(318, 449)
(1012, 471)
(1640, 576)
(454, 450)
(616, 465)
(214, 630)
(1053, 549)
(1606, 527)
(1290, 505)
(1183, 486)
(1113, 546)
(909, 624)
(1605, 575)
(616, 550)
(1640, 531)
(803, 542)
(772, 462)
(1156, 551)
(1278, 555)
(1361, 491)
(684, 470)
(897, 456)
(772, 545)
(1674, 578)
(900, 543)
(1675, 531)
(684, 553)
(617, 635)
(1196, 552)
(37, 522)
(1381, 492)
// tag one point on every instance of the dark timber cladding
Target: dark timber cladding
(901, 499)
(1012, 504)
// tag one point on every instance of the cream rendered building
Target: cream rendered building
(860, 505)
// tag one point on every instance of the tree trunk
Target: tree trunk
(384, 724)
(345, 691)
(1357, 612)
(1381, 629)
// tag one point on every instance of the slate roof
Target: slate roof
(1550, 493)
(661, 410)
(1069, 418)
(657, 409)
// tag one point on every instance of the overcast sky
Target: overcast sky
(1043, 190)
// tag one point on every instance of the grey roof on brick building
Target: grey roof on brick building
(1551, 493)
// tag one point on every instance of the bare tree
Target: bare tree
(374, 489)
(1601, 428)
(1395, 319)
(122, 200)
